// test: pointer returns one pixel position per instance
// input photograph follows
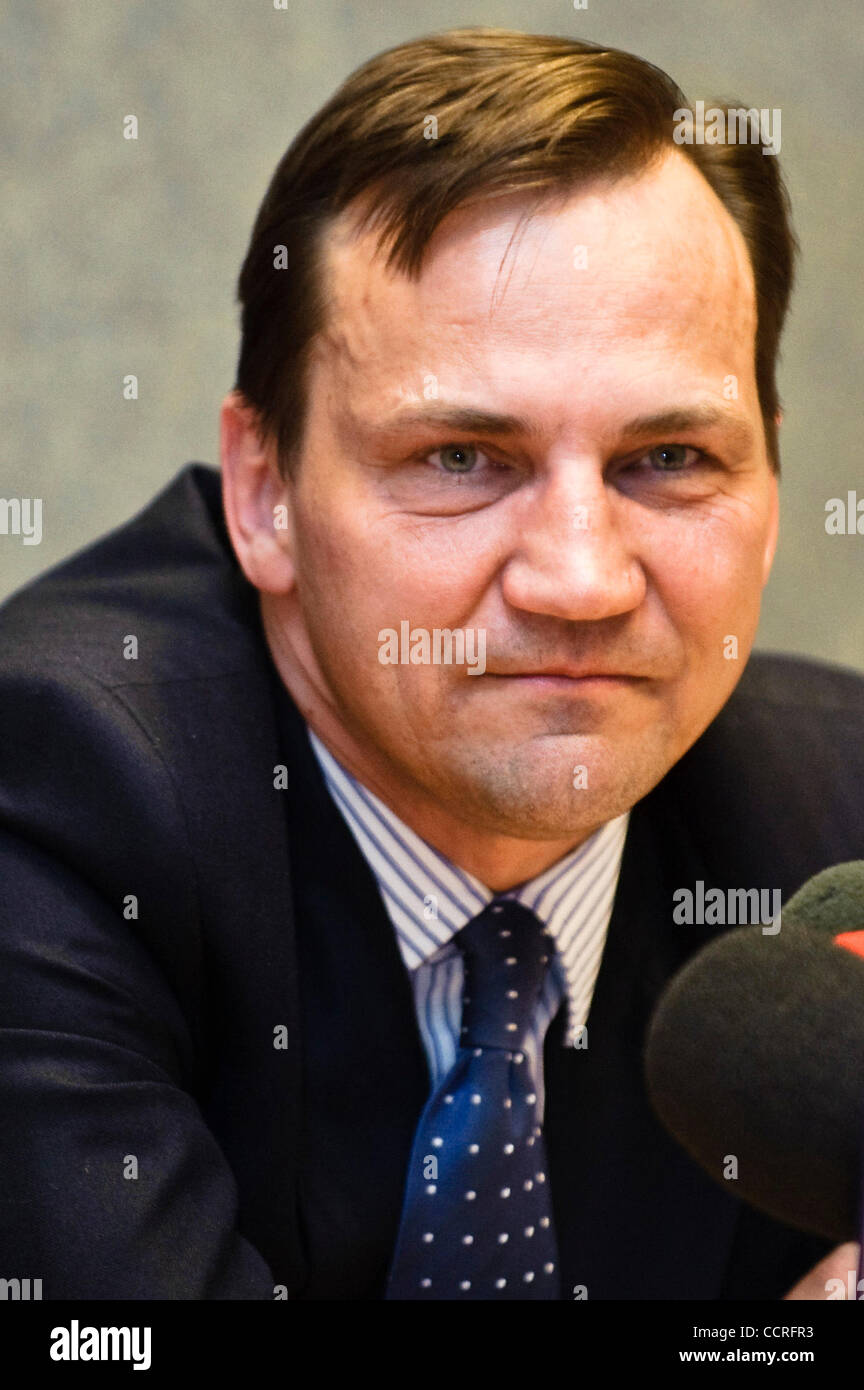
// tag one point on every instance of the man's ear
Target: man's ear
(257, 500)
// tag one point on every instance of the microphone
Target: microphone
(755, 1053)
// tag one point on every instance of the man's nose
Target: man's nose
(572, 558)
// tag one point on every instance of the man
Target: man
(465, 635)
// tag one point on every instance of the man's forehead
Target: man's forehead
(654, 258)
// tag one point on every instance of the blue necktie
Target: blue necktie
(477, 1217)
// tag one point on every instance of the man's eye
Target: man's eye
(672, 458)
(457, 458)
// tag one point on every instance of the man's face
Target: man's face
(613, 565)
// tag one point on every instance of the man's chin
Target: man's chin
(554, 788)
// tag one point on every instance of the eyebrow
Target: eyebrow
(467, 420)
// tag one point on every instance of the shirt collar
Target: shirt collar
(429, 899)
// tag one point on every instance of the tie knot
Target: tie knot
(506, 954)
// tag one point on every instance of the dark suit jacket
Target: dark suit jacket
(210, 1068)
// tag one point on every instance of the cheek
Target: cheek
(358, 575)
(709, 578)
(387, 569)
(331, 593)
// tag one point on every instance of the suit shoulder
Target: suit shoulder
(159, 598)
(779, 681)
(773, 791)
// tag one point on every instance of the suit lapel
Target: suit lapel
(316, 1074)
(366, 1079)
(636, 1219)
(217, 736)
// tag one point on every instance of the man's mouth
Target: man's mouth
(576, 675)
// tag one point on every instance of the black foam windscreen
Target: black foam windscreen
(755, 1053)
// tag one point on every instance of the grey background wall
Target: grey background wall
(121, 256)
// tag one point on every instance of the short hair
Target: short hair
(514, 112)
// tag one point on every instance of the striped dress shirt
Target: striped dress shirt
(428, 900)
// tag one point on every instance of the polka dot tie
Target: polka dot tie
(477, 1217)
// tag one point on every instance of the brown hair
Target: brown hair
(515, 112)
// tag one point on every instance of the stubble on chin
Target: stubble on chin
(549, 787)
